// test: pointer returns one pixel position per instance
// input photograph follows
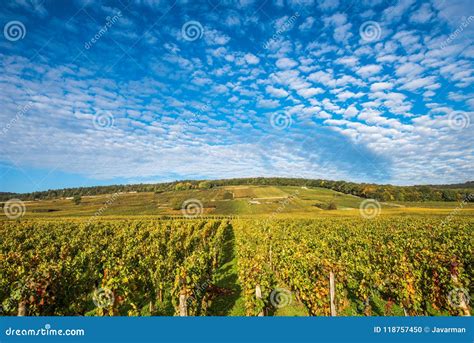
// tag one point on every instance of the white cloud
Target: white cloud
(350, 112)
(418, 83)
(267, 103)
(422, 15)
(394, 13)
(300, 3)
(429, 94)
(328, 105)
(344, 95)
(324, 115)
(251, 59)
(276, 92)
(342, 33)
(369, 70)
(337, 19)
(409, 69)
(348, 61)
(328, 4)
(307, 24)
(338, 23)
(310, 92)
(215, 37)
(286, 63)
(323, 77)
(380, 86)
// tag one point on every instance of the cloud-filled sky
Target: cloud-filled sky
(145, 91)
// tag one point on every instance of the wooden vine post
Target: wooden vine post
(160, 293)
(258, 294)
(22, 308)
(332, 294)
(183, 305)
(463, 304)
(183, 296)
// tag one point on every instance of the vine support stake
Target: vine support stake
(332, 293)
(22, 309)
(258, 294)
(183, 306)
(151, 307)
(461, 296)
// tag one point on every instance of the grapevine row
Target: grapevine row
(420, 265)
(57, 268)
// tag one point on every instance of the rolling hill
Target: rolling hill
(242, 200)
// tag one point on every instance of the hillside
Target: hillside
(243, 200)
(458, 192)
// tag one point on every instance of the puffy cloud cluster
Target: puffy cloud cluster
(145, 102)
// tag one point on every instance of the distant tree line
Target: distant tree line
(374, 191)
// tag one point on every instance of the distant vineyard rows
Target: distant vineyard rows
(458, 192)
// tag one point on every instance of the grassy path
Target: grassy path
(292, 308)
(228, 301)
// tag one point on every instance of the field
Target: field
(242, 250)
(246, 201)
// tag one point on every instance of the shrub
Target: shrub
(77, 199)
(228, 195)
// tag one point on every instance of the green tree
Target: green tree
(77, 199)
(176, 204)
(204, 185)
(448, 195)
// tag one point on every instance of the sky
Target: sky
(96, 93)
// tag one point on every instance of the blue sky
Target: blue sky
(96, 93)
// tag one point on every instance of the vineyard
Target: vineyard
(331, 266)
(419, 265)
(109, 267)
